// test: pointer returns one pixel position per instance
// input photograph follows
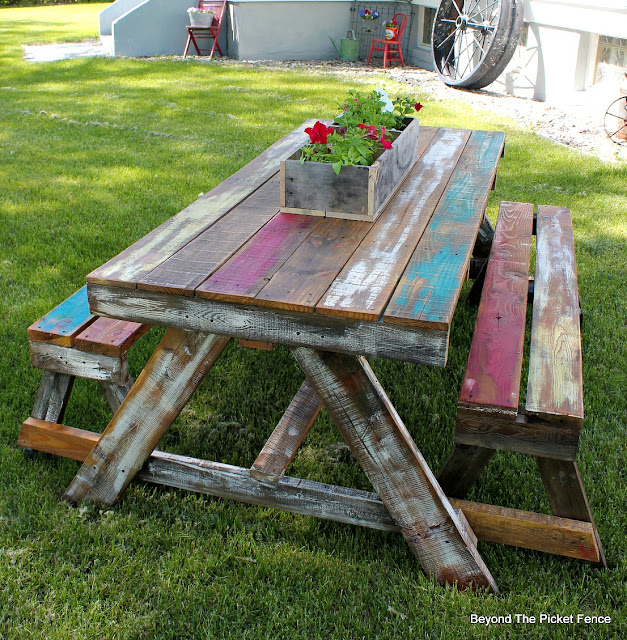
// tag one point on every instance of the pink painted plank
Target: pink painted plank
(492, 377)
(242, 277)
(110, 337)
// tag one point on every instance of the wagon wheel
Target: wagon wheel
(615, 121)
(473, 40)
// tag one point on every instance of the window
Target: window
(428, 16)
(612, 51)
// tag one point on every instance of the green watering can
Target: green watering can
(349, 47)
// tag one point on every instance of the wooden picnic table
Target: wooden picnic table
(335, 291)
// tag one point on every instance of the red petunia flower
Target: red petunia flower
(386, 144)
(417, 106)
(318, 133)
(372, 130)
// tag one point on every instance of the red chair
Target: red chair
(197, 35)
(391, 48)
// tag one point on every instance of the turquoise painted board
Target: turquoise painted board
(63, 323)
(428, 291)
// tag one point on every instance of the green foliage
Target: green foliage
(370, 108)
(94, 153)
(348, 147)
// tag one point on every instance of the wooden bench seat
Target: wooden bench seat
(70, 342)
(488, 415)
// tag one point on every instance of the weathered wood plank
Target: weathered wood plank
(392, 342)
(249, 270)
(256, 344)
(289, 434)
(115, 393)
(82, 364)
(492, 377)
(555, 384)
(530, 530)
(382, 445)
(429, 289)
(302, 280)
(52, 396)
(520, 434)
(135, 262)
(56, 439)
(197, 260)
(364, 286)
(169, 379)
(352, 506)
(64, 322)
(110, 337)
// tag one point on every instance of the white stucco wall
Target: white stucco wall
(286, 29)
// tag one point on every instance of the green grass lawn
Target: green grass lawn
(96, 152)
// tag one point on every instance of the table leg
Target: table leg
(169, 379)
(384, 448)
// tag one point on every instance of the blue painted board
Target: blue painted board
(429, 288)
(61, 325)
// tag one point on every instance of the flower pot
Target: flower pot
(357, 192)
(390, 33)
(200, 19)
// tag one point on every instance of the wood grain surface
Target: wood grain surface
(428, 290)
(365, 284)
(492, 377)
(135, 262)
(170, 377)
(110, 337)
(383, 447)
(550, 534)
(61, 325)
(555, 384)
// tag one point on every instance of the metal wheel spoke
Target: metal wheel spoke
(480, 12)
(480, 47)
(451, 51)
(447, 37)
(459, 13)
(611, 135)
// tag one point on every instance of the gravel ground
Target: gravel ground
(576, 122)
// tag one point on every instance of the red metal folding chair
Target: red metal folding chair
(391, 48)
(198, 35)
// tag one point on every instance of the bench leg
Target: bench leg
(388, 455)
(52, 396)
(462, 468)
(115, 393)
(173, 373)
(567, 495)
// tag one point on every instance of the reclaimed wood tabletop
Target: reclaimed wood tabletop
(233, 264)
(335, 291)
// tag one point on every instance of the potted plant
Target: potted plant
(391, 29)
(200, 17)
(353, 167)
(368, 14)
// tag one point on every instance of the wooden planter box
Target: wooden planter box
(357, 193)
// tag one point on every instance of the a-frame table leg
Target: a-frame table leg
(388, 455)
(567, 495)
(168, 381)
